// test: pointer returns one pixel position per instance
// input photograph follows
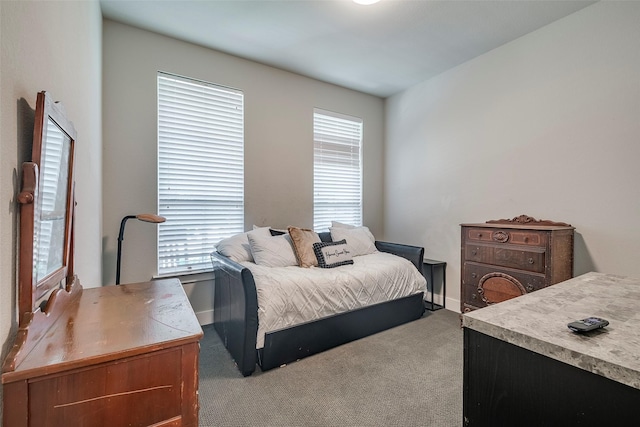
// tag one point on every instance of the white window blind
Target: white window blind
(337, 169)
(200, 171)
(53, 193)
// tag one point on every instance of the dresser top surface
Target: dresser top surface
(519, 226)
(111, 322)
(538, 322)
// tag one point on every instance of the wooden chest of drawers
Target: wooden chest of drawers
(503, 259)
(118, 356)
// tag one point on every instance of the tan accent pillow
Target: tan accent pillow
(303, 240)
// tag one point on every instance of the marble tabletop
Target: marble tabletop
(538, 322)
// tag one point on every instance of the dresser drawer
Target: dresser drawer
(479, 253)
(529, 259)
(471, 298)
(530, 238)
(519, 257)
(516, 237)
(474, 274)
(138, 391)
(479, 234)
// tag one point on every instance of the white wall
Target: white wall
(52, 46)
(278, 142)
(547, 125)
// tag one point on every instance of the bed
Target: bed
(361, 304)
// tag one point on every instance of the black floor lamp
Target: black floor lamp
(142, 217)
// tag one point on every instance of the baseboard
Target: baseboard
(205, 317)
(453, 305)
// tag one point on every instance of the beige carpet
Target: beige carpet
(410, 375)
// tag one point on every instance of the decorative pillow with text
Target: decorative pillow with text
(332, 254)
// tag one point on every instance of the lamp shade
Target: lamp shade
(147, 217)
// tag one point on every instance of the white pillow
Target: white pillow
(236, 248)
(271, 251)
(337, 224)
(359, 239)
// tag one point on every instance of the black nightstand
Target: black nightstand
(430, 270)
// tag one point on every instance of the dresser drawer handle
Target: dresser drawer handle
(474, 252)
(501, 236)
(474, 296)
(474, 275)
(530, 288)
(530, 260)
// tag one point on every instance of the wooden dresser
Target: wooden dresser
(123, 355)
(503, 259)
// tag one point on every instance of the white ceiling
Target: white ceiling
(380, 49)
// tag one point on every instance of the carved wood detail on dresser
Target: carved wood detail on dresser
(506, 258)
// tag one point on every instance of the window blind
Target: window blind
(337, 169)
(53, 193)
(200, 170)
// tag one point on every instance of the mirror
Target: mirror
(46, 234)
(53, 201)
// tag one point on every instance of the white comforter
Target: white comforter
(288, 296)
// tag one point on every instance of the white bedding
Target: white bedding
(288, 296)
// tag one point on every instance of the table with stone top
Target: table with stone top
(523, 366)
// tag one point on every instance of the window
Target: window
(200, 170)
(337, 169)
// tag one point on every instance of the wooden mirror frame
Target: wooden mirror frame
(36, 287)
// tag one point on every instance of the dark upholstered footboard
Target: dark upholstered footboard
(290, 344)
(235, 311)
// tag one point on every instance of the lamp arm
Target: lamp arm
(120, 239)
(122, 224)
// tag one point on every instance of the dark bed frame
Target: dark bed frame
(236, 316)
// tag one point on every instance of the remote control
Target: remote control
(588, 324)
